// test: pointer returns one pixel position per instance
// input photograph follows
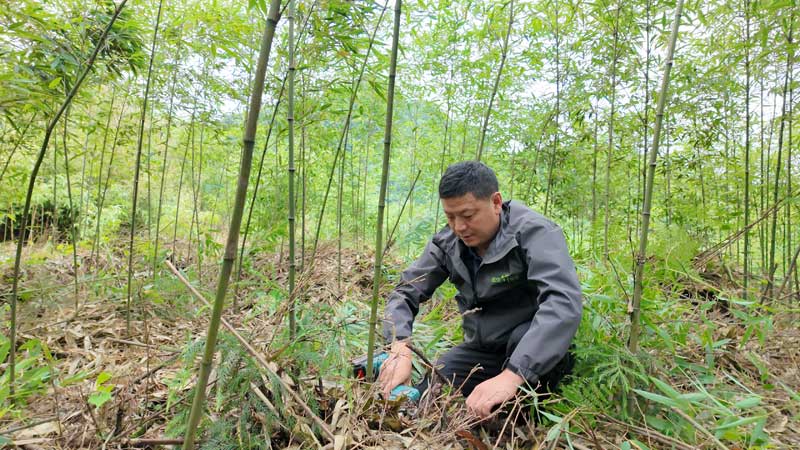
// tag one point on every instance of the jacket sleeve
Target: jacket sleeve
(552, 271)
(417, 284)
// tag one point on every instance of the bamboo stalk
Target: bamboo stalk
(104, 185)
(138, 167)
(290, 120)
(31, 183)
(634, 309)
(83, 178)
(180, 181)
(641, 180)
(197, 198)
(344, 131)
(71, 210)
(773, 236)
(496, 80)
(610, 149)
(102, 161)
(303, 178)
(248, 142)
(166, 154)
(595, 147)
(747, 151)
(789, 158)
(261, 163)
(149, 199)
(339, 200)
(387, 146)
(557, 113)
(446, 141)
(400, 214)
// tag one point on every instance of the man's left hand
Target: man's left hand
(493, 392)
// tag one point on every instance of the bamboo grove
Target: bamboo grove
(133, 122)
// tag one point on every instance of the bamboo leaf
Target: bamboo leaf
(102, 378)
(738, 423)
(757, 435)
(748, 402)
(666, 401)
(378, 89)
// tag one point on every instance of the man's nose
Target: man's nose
(461, 225)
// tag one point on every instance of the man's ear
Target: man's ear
(497, 202)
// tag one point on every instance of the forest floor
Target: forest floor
(90, 383)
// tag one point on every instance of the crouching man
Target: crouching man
(518, 294)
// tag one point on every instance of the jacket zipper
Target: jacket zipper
(478, 334)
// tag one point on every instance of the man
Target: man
(519, 294)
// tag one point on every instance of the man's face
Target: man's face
(475, 221)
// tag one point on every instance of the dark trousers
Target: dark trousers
(465, 366)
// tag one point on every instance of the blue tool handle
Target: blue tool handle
(408, 392)
(378, 360)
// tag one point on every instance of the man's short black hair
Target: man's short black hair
(468, 177)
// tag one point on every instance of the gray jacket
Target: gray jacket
(526, 275)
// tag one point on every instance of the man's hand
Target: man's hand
(396, 370)
(493, 392)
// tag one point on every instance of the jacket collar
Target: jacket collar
(504, 241)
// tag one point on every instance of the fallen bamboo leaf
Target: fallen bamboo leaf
(472, 439)
(337, 411)
(40, 430)
(339, 442)
(23, 442)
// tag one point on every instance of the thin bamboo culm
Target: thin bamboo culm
(72, 216)
(31, 183)
(349, 116)
(137, 169)
(634, 308)
(254, 195)
(290, 120)
(165, 160)
(503, 56)
(773, 266)
(387, 146)
(746, 269)
(248, 142)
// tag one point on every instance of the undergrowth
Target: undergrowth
(684, 385)
(710, 372)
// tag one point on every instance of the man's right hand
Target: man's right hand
(396, 370)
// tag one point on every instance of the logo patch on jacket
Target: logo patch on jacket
(506, 278)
